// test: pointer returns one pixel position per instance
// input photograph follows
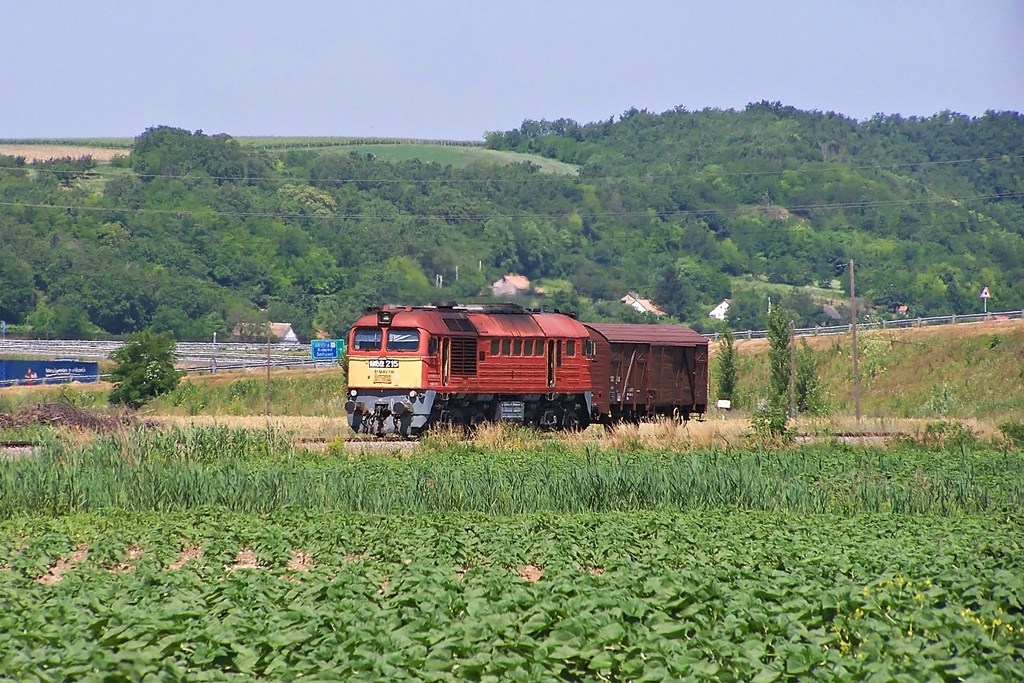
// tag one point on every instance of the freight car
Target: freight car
(411, 368)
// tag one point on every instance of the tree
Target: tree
(810, 390)
(17, 295)
(725, 366)
(771, 419)
(145, 369)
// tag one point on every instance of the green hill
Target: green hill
(194, 233)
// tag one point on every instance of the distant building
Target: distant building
(633, 300)
(720, 311)
(257, 332)
(831, 313)
(511, 285)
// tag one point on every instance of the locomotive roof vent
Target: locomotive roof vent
(444, 304)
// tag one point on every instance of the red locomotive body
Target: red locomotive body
(414, 367)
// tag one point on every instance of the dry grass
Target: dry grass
(670, 435)
(304, 428)
(45, 152)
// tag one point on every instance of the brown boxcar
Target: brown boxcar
(642, 371)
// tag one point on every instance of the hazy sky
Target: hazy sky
(458, 69)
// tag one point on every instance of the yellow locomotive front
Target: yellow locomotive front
(387, 368)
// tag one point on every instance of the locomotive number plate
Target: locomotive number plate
(388, 363)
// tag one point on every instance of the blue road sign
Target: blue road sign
(326, 349)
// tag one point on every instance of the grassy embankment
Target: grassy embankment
(944, 372)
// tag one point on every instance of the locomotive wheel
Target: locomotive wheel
(575, 420)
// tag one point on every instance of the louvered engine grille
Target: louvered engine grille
(463, 356)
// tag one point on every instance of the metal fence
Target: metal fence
(902, 323)
(192, 357)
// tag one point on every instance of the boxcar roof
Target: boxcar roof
(663, 335)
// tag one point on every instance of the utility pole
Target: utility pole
(853, 330)
(792, 370)
(268, 370)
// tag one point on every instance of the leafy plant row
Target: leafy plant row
(648, 596)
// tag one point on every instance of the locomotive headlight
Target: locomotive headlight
(353, 393)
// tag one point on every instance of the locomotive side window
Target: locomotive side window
(402, 339)
(432, 346)
(367, 339)
(494, 347)
(589, 348)
(528, 347)
(570, 348)
(506, 347)
(517, 347)
(538, 349)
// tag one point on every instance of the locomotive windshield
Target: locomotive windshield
(402, 340)
(367, 339)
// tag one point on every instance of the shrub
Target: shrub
(145, 369)
(1013, 432)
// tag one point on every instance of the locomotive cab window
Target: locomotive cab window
(367, 339)
(570, 348)
(538, 349)
(432, 346)
(494, 347)
(403, 339)
(589, 348)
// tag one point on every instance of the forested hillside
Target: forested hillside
(194, 233)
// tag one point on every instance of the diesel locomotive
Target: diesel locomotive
(413, 367)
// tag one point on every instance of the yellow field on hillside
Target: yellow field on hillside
(45, 152)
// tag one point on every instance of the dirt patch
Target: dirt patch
(246, 559)
(356, 557)
(66, 415)
(192, 552)
(593, 571)
(301, 561)
(133, 553)
(531, 573)
(45, 152)
(56, 572)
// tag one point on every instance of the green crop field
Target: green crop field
(228, 554)
(457, 155)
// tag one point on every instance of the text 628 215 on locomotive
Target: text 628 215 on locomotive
(411, 368)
